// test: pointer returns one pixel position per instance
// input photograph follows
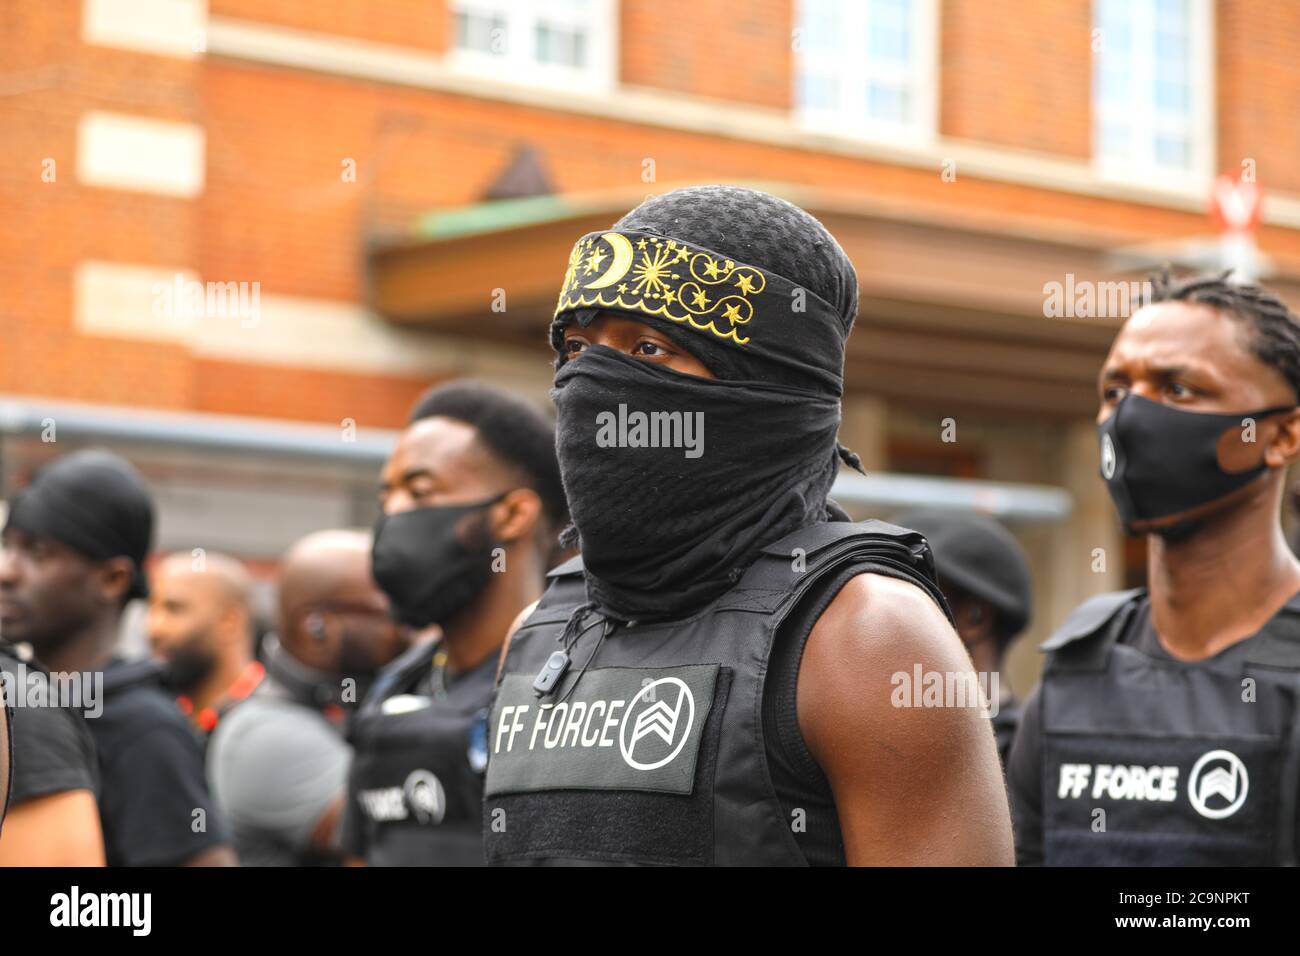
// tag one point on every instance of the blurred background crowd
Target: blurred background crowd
(243, 236)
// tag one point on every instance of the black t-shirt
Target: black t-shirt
(51, 748)
(1024, 765)
(152, 781)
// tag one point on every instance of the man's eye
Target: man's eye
(574, 346)
(649, 348)
(1113, 393)
(1179, 390)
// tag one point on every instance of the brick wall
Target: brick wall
(276, 210)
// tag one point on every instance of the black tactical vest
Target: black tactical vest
(1190, 763)
(651, 750)
(417, 768)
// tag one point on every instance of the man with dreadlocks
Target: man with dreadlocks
(716, 680)
(1164, 731)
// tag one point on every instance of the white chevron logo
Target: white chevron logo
(1228, 781)
(660, 720)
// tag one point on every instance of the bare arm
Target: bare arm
(61, 829)
(912, 785)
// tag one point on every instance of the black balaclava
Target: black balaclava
(95, 503)
(758, 291)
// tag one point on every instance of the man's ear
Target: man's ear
(515, 516)
(235, 622)
(114, 579)
(1284, 447)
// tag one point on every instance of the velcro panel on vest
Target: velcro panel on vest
(1137, 801)
(617, 729)
(664, 819)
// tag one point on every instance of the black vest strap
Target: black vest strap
(1279, 644)
(787, 568)
(1084, 640)
(398, 672)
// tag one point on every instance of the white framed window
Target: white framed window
(1153, 90)
(565, 43)
(868, 68)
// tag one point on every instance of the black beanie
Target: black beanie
(95, 503)
(981, 557)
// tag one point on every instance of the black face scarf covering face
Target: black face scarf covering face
(1159, 461)
(664, 530)
(423, 565)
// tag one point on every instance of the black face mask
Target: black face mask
(426, 569)
(1159, 461)
(664, 530)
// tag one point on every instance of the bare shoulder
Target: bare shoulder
(876, 620)
(876, 628)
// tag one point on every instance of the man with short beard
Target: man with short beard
(1164, 729)
(200, 626)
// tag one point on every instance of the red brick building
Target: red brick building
(342, 181)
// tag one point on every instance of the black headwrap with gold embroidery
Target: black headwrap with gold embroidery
(751, 285)
(663, 531)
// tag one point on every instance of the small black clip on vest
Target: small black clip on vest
(552, 672)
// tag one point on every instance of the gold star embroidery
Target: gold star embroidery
(640, 244)
(681, 253)
(622, 287)
(700, 300)
(669, 296)
(731, 313)
(711, 270)
(593, 260)
(745, 283)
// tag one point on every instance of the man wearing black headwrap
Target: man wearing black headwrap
(75, 542)
(716, 679)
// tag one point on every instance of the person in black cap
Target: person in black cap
(55, 774)
(78, 536)
(712, 682)
(985, 577)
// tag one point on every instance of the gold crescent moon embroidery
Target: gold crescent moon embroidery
(618, 268)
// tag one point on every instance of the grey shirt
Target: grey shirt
(275, 766)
